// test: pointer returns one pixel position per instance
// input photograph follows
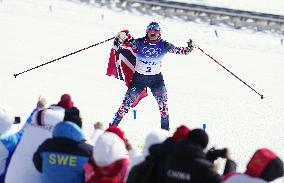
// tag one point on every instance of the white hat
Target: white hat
(108, 149)
(154, 137)
(7, 118)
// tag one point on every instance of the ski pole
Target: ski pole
(63, 57)
(261, 96)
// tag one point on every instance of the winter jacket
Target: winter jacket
(160, 152)
(113, 173)
(188, 163)
(149, 55)
(143, 172)
(109, 162)
(152, 169)
(154, 137)
(8, 144)
(61, 158)
(21, 164)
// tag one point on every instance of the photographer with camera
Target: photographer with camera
(189, 164)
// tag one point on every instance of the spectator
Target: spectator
(61, 158)
(158, 153)
(154, 137)
(40, 128)
(98, 130)
(66, 101)
(188, 162)
(73, 114)
(132, 152)
(110, 158)
(9, 142)
(264, 166)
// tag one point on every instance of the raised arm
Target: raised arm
(181, 50)
(124, 40)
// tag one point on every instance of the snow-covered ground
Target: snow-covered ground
(272, 7)
(200, 91)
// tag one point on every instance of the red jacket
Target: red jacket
(114, 173)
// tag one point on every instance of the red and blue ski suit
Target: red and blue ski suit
(147, 74)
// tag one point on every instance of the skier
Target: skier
(150, 52)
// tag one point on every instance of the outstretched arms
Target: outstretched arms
(181, 50)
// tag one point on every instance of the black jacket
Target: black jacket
(152, 169)
(188, 164)
(144, 172)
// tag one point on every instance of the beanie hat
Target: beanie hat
(266, 165)
(6, 119)
(66, 101)
(73, 115)
(114, 129)
(180, 133)
(68, 130)
(198, 136)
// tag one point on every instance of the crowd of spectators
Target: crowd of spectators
(51, 148)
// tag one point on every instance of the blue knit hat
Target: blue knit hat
(154, 26)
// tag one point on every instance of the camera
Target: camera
(213, 154)
(17, 120)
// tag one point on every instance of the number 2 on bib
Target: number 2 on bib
(148, 69)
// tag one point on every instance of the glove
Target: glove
(98, 125)
(122, 36)
(191, 44)
(41, 103)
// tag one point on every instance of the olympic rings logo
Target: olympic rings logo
(151, 52)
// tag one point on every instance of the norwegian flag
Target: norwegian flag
(121, 65)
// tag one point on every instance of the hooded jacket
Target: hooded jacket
(61, 158)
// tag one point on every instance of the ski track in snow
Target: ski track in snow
(200, 91)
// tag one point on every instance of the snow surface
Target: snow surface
(200, 91)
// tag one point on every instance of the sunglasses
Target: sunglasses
(154, 31)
